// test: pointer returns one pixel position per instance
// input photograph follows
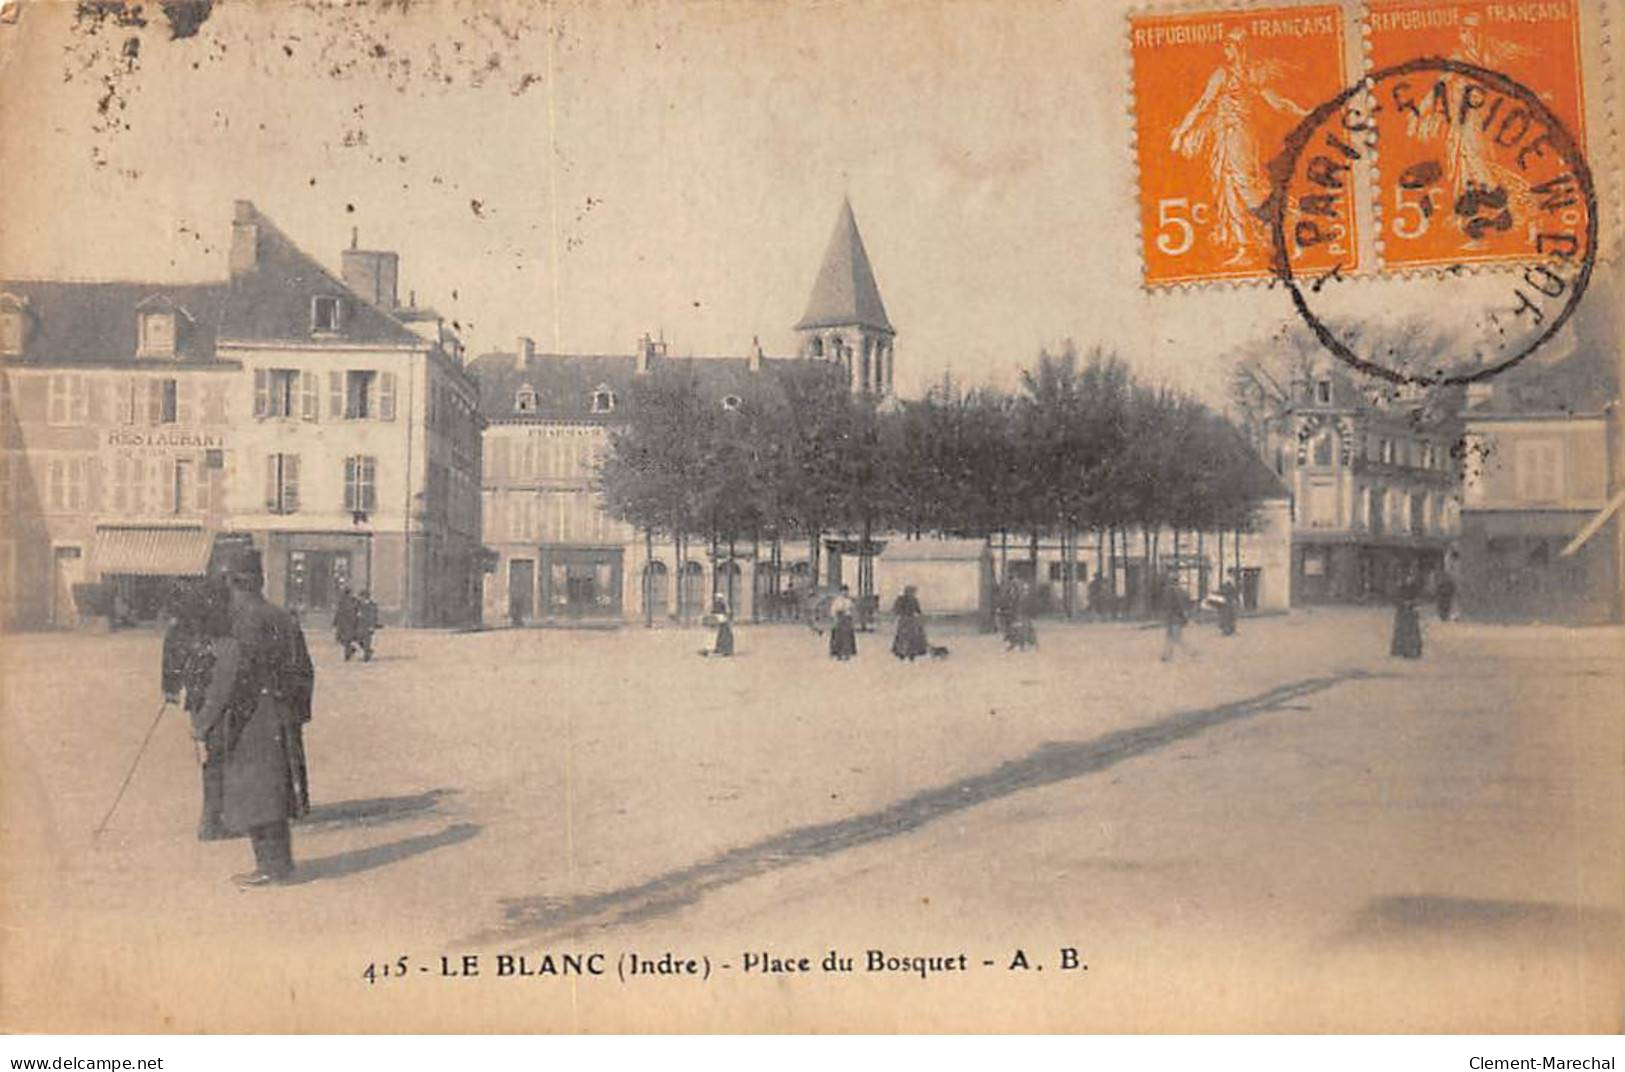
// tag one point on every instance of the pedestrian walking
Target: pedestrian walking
(1407, 638)
(255, 707)
(843, 635)
(1444, 594)
(723, 643)
(201, 613)
(366, 624)
(910, 642)
(344, 622)
(1175, 617)
(1227, 609)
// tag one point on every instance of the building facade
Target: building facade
(1540, 510)
(286, 406)
(1374, 480)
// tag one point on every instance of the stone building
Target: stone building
(1541, 499)
(1374, 478)
(286, 405)
(548, 417)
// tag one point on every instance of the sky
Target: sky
(584, 173)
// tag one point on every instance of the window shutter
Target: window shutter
(368, 471)
(201, 471)
(183, 401)
(310, 401)
(155, 401)
(126, 400)
(271, 483)
(335, 395)
(262, 393)
(351, 497)
(81, 399)
(386, 396)
(290, 483)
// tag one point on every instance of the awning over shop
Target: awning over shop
(152, 551)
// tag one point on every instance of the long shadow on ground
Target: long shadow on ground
(373, 811)
(1050, 763)
(349, 863)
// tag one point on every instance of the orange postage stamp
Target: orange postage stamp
(1450, 177)
(1216, 94)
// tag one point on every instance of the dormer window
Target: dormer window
(731, 403)
(325, 313)
(13, 324)
(524, 400)
(156, 335)
(603, 399)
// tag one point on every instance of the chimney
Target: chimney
(645, 354)
(755, 361)
(373, 275)
(245, 238)
(527, 351)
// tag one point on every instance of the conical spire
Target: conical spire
(845, 294)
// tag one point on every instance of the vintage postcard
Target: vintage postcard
(984, 516)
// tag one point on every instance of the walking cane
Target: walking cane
(133, 764)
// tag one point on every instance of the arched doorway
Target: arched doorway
(730, 584)
(656, 590)
(693, 602)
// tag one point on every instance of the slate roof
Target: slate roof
(1583, 383)
(96, 324)
(272, 302)
(565, 383)
(845, 293)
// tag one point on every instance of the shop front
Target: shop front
(581, 582)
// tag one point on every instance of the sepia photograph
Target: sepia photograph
(818, 517)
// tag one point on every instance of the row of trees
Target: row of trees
(1082, 446)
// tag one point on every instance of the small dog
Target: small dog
(1020, 636)
(939, 651)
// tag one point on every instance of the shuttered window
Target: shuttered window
(361, 483)
(282, 483)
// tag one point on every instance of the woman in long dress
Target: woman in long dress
(910, 642)
(843, 635)
(1407, 640)
(724, 643)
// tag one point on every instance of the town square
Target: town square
(829, 518)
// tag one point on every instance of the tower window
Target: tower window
(1323, 392)
(816, 349)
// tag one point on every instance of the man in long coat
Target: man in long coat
(188, 663)
(256, 705)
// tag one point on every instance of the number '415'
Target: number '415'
(384, 969)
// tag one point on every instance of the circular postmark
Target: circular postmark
(1470, 167)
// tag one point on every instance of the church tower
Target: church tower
(845, 321)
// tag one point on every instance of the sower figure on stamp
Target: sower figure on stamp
(257, 701)
(188, 662)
